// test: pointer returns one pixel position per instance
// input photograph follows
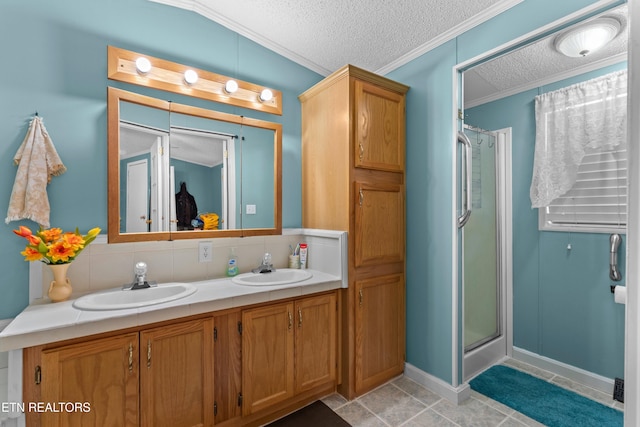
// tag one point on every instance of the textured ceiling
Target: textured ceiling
(381, 35)
(324, 35)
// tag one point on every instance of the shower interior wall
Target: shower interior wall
(562, 305)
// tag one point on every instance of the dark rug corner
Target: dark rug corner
(316, 414)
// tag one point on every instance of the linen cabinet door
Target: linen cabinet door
(379, 131)
(176, 375)
(267, 356)
(102, 372)
(315, 341)
(379, 224)
(379, 332)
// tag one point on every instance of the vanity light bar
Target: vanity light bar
(124, 66)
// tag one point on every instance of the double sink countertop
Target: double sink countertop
(43, 322)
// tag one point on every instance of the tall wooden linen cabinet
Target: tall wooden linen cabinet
(353, 179)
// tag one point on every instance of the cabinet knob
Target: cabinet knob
(299, 317)
(360, 295)
(290, 320)
(361, 197)
(148, 353)
(361, 152)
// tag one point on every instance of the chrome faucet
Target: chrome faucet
(265, 265)
(140, 278)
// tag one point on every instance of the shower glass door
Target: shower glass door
(480, 238)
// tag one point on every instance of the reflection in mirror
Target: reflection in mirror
(177, 171)
(257, 177)
(204, 173)
(143, 138)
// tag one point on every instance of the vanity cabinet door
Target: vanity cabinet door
(227, 345)
(103, 373)
(379, 329)
(176, 375)
(267, 356)
(379, 131)
(315, 341)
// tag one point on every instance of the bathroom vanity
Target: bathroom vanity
(226, 355)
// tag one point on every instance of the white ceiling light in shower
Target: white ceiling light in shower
(587, 38)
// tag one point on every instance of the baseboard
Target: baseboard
(581, 376)
(443, 389)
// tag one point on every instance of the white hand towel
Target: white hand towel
(37, 161)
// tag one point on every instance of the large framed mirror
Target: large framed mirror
(179, 172)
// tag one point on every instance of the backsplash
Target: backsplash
(103, 266)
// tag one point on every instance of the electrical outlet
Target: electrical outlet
(205, 252)
(251, 209)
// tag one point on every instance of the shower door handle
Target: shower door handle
(462, 139)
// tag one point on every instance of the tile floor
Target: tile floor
(403, 402)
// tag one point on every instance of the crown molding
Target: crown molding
(206, 11)
(454, 32)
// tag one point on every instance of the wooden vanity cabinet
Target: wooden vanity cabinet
(227, 350)
(242, 366)
(176, 375)
(103, 373)
(267, 356)
(288, 348)
(156, 377)
(353, 160)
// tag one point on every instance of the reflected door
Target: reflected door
(137, 207)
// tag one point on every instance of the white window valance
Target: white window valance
(588, 116)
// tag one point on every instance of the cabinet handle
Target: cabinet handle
(360, 295)
(361, 152)
(38, 376)
(290, 320)
(148, 353)
(361, 197)
(130, 357)
(299, 317)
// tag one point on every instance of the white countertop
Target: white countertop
(44, 322)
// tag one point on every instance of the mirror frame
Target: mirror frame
(114, 96)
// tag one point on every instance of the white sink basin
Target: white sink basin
(118, 299)
(282, 276)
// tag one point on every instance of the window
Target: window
(597, 202)
(580, 166)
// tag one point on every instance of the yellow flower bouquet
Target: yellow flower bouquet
(53, 246)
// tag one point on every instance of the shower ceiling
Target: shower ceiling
(539, 63)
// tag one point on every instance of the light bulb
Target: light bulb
(190, 76)
(231, 86)
(266, 95)
(143, 65)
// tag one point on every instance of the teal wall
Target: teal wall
(562, 306)
(430, 150)
(55, 63)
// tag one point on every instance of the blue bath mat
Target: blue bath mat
(543, 401)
